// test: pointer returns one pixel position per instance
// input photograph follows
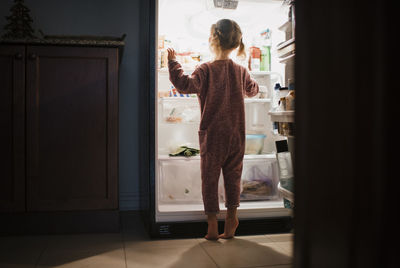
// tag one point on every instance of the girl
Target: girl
(220, 85)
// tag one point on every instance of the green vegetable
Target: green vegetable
(185, 151)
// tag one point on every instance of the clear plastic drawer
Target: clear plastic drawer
(260, 180)
(180, 180)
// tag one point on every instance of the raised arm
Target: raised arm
(250, 85)
(185, 84)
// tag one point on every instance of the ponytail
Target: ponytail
(241, 52)
(226, 35)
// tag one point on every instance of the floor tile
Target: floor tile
(26, 242)
(253, 238)
(287, 247)
(238, 240)
(175, 257)
(286, 237)
(21, 251)
(245, 253)
(159, 243)
(275, 266)
(69, 258)
(284, 241)
(106, 241)
(20, 258)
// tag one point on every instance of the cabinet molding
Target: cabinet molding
(12, 134)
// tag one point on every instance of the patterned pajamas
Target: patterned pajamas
(220, 86)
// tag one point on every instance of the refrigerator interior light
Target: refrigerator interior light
(226, 4)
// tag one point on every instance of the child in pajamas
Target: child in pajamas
(220, 85)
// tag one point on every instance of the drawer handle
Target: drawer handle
(18, 56)
(32, 56)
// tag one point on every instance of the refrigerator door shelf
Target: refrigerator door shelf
(282, 116)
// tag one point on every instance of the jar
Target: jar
(282, 104)
(289, 101)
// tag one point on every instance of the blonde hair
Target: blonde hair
(227, 35)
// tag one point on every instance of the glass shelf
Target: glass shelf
(195, 99)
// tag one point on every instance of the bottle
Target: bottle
(290, 97)
(265, 63)
(255, 57)
(283, 91)
(275, 96)
(282, 104)
(284, 164)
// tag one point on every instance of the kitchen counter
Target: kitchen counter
(65, 40)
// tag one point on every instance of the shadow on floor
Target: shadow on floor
(234, 253)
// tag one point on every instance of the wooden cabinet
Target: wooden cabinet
(59, 134)
(12, 128)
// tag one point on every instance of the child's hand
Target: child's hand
(171, 54)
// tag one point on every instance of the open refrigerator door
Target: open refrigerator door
(283, 108)
(185, 26)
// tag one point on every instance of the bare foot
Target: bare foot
(212, 232)
(230, 228)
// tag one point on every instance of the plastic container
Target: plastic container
(254, 143)
(284, 163)
(259, 180)
(263, 92)
(180, 181)
(276, 96)
(286, 177)
(180, 109)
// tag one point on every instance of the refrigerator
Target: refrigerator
(175, 206)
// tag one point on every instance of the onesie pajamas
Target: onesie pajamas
(220, 86)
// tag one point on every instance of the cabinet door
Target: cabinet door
(12, 136)
(72, 128)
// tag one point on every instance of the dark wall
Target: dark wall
(111, 18)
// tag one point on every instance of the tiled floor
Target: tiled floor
(132, 248)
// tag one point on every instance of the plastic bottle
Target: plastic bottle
(275, 96)
(285, 164)
(265, 63)
(255, 56)
(283, 91)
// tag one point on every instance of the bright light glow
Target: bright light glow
(187, 23)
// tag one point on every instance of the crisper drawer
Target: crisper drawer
(260, 180)
(180, 180)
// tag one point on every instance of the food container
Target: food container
(254, 143)
(263, 92)
(259, 180)
(286, 128)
